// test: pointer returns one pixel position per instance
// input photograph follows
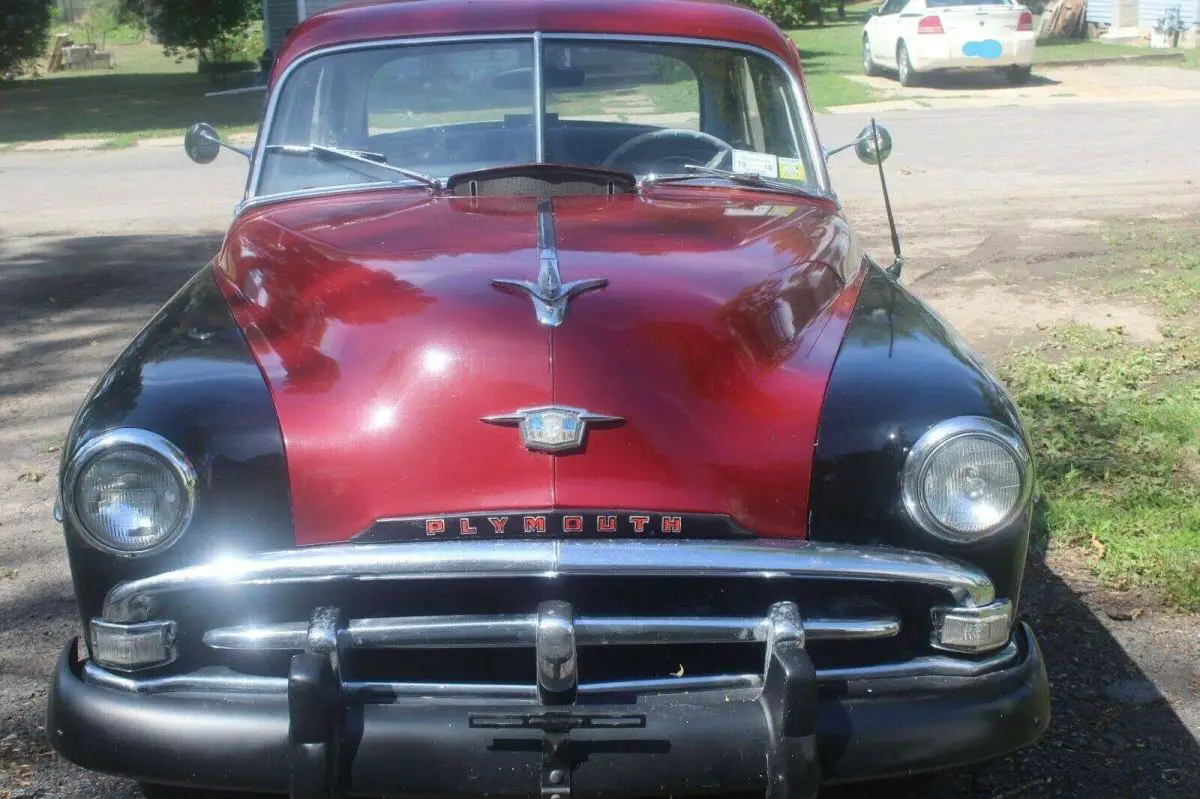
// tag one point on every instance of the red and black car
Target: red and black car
(540, 428)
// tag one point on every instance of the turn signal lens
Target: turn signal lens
(129, 647)
(930, 24)
(972, 629)
(1025, 22)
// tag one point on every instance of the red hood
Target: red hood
(384, 343)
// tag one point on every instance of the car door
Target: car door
(885, 33)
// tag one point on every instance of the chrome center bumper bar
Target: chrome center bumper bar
(445, 560)
(449, 632)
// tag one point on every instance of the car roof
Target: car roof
(373, 20)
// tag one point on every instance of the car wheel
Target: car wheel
(1019, 76)
(869, 68)
(904, 67)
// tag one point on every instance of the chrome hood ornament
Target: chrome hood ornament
(552, 428)
(549, 294)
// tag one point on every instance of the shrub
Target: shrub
(24, 26)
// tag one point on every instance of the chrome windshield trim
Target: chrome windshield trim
(453, 560)
(252, 197)
(449, 632)
(224, 681)
(539, 101)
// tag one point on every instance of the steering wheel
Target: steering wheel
(723, 148)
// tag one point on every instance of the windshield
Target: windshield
(440, 109)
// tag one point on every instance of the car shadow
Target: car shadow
(980, 80)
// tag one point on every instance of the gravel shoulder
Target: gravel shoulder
(77, 279)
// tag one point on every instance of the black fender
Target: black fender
(901, 369)
(189, 376)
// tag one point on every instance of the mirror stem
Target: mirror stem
(239, 150)
(898, 264)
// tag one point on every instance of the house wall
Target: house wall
(1152, 10)
(1125, 13)
(1101, 11)
(279, 16)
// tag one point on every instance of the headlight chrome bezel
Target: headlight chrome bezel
(146, 441)
(922, 453)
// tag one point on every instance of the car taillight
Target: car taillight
(931, 24)
(1025, 21)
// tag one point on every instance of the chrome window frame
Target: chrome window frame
(538, 39)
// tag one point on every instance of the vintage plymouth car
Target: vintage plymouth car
(540, 428)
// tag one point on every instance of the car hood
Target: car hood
(384, 342)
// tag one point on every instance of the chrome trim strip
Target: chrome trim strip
(539, 101)
(451, 632)
(925, 666)
(454, 560)
(129, 438)
(228, 682)
(803, 108)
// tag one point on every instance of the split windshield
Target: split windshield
(441, 109)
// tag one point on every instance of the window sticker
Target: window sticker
(791, 169)
(748, 162)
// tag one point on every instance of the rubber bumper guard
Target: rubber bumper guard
(789, 701)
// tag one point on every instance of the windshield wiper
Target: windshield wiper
(357, 156)
(742, 178)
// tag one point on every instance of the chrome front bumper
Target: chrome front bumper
(348, 666)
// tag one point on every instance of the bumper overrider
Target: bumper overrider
(320, 731)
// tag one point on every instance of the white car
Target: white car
(915, 37)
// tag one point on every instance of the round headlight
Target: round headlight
(966, 477)
(129, 492)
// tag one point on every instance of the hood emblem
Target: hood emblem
(552, 428)
(549, 294)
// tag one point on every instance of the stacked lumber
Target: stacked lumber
(56, 54)
(1065, 18)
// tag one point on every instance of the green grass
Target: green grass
(1056, 50)
(1116, 426)
(831, 53)
(122, 142)
(148, 94)
(1160, 263)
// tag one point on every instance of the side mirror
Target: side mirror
(865, 144)
(202, 143)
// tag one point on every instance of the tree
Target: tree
(100, 17)
(211, 30)
(24, 26)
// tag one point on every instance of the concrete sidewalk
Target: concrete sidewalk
(1052, 84)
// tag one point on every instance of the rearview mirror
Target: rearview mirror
(864, 145)
(521, 78)
(202, 143)
(866, 148)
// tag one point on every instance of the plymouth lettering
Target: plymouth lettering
(535, 524)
